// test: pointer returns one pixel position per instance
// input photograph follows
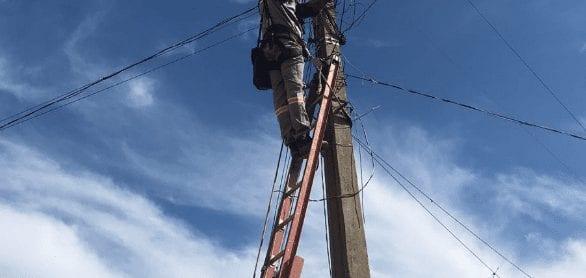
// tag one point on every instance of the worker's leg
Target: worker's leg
(292, 72)
(313, 98)
(281, 106)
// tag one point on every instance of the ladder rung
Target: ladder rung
(277, 257)
(293, 189)
(285, 222)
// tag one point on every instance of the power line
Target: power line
(526, 64)
(433, 44)
(468, 107)
(384, 164)
(555, 156)
(24, 119)
(358, 20)
(47, 106)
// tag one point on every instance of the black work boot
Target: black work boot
(303, 146)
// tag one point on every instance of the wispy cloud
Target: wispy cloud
(13, 81)
(80, 64)
(113, 232)
(140, 93)
(67, 224)
(537, 195)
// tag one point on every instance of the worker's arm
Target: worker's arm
(310, 8)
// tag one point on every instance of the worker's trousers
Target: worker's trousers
(288, 99)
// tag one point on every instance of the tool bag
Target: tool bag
(261, 77)
(261, 67)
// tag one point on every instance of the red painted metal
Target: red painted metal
(290, 265)
(297, 267)
(309, 173)
(278, 235)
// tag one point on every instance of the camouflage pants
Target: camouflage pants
(289, 101)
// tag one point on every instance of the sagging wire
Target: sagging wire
(497, 115)
(383, 164)
(70, 96)
(343, 104)
(386, 166)
(265, 225)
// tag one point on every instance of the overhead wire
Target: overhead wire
(46, 107)
(467, 106)
(74, 100)
(556, 157)
(526, 64)
(323, 189)
(436, 47)
(434, 216)
(358, 20)
(386, 166)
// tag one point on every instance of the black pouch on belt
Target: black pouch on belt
(260, 69)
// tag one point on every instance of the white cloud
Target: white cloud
(37, 245)
(62, 224)
(11, 81)
(583, 49)
(534, 195)
(72, 48)
(112, 232)
(572, 263)
(140, 93)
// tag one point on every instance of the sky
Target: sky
(169, 175)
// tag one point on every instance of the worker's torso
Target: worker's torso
(281, 12)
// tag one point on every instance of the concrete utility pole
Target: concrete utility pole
(348, 251)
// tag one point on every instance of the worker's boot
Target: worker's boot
(303, 146)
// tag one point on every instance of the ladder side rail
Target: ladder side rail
(277, 235)
(309, 173)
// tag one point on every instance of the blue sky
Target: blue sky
(168, 175)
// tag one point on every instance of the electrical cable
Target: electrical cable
(30, 112)
(323, 188)
(358, 20)
(264, 229)
(554, 156)
(436, 47)
(36, 115)
(428, 211)
(384, 164)
(526, 64)
(468, 107)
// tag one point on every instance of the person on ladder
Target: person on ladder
(284, 48)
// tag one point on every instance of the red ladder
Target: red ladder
(281, 260)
